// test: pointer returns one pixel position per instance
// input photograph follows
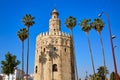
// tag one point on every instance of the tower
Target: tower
(54, 23)
(54, 53)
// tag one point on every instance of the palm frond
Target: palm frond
(85, 25)
(70, 22)
(98, 24)
(22, 34)
(28, 20)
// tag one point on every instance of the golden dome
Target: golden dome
(55, 11)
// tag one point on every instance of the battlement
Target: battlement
(49, 34)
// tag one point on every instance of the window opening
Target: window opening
(36, 69)
(54, 67)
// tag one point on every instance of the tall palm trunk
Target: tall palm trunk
(41, 72)
(52, 70)
(103, 54)
(61, 62)
(8, 77)
(22, 60)
(74, 56)
(91, 55)
(27, 55)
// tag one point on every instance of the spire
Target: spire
(55, 12)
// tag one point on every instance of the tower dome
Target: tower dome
(55, 12)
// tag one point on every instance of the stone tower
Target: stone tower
(54, 53)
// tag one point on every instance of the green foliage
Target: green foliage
(119, 77)
(112, 76)
(28, 20)
(98, 24)
(101, 72)
(70, 22)
(22, 34)
(9, 64)
(94, 76)
(52, 51)
(85, 25)
(18, 78)
(42, 58)
(100, 75)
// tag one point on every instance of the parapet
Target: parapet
(48, 34)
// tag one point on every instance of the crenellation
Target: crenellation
(46, 34)
(63, 33)
(40, 34)
(59, 33)
(43, 34)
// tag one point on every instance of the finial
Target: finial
(55, 11)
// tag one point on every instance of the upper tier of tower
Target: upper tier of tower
(54, 23)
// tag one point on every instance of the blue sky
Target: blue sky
(12, 11)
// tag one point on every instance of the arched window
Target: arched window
(54, 67)
(36, 69)
(37, 50)
(54, 16)
(65, 49)
(44, 50)
(54, 49)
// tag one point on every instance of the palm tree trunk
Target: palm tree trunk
(22, 60)
(27, 56)
(52, 70)
(61, 62)
(74, 60)
(91, 55)
(8, 77)
(103, 53)
(42, 72)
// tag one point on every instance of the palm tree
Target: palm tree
(28, 21)
(101, 71)
(42, 60)
(52, 54)
(112, 76)
(98, 25)
(70, 23)
(9, 64)
(22, 35)
(86, 27)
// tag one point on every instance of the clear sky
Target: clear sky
(12, 11)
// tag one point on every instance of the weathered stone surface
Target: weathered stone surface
(62, 46)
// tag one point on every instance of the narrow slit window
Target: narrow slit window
(44, 49)
(36, 70)
(65, 49)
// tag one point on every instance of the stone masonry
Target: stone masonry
(61, 65)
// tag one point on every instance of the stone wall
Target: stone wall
(62, 42)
